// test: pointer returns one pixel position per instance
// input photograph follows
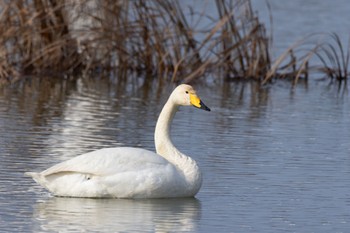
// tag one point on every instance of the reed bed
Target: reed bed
(155, 38)
(170, 40)
(326, 51)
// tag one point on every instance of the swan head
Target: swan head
(185, 95)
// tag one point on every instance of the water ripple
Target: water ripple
(281, 165)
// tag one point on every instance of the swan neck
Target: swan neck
(167, 150)
(162, 138)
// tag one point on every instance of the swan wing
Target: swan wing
(109, 161)
(113, 172)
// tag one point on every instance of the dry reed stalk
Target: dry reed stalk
(153, 38)
(334, 57)
(245, 45)
(332, 54)
(298, 63)
(144, 36)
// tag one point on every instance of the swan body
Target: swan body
(127, 172)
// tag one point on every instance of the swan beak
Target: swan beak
(196, 101)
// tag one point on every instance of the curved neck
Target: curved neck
(167, 150)
(164, 146)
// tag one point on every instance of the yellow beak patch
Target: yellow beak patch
(195, 101)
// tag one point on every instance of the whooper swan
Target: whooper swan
(126, 172)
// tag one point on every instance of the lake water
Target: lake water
(274, 159)
(294, 20)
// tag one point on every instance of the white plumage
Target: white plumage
(127, 172)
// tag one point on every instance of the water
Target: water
(294, 20)
(274, 159)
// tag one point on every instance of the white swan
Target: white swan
(126, 172)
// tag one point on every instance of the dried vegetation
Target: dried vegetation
(162, 39)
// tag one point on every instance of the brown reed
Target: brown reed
(147, 37)
(327, 48)
(334, 57)
(163, 39)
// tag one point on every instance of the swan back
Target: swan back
(122, 172)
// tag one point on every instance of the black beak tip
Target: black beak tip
(204, 107)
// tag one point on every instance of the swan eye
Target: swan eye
(186, 92)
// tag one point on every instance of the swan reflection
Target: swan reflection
(116, 215)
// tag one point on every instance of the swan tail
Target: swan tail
(37, 177)
(32, 174)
